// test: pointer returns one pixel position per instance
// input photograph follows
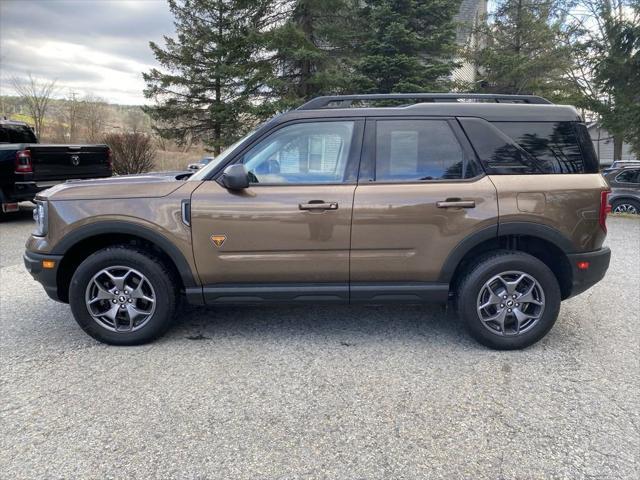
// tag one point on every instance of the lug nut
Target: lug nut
(505, 297)
(126, 292)
(130, 301)
(514, 296)
(517, 304)
(114, 300)
(509, 310)
(116, 292)
(502, 305)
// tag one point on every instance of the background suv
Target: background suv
(625, 189)
(494, 202)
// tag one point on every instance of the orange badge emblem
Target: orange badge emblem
(218, 240)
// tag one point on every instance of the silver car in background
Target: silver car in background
(625, 189)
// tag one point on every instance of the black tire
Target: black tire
(486, 268)
(625, 201)
(156, 273)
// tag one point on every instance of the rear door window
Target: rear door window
(417, 150)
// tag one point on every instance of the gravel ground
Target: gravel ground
(321, 392)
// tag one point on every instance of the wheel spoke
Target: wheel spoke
(139, 294)
(513, 285)
(492, 300)
(499, 318)
(528, 297)
(118, 281)
(103, 293)
(111, 313)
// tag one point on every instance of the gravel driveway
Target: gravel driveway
(297, 392)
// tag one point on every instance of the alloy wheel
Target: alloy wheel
(120, 299)
(510, 303)
(625, 208)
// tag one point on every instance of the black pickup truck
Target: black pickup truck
(27, 167)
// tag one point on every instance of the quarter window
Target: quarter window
(553, 146)
(629, 176)
(315, 152)
(417, 150)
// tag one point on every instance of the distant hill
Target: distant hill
(93, 118)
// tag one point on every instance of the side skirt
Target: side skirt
(362, 293)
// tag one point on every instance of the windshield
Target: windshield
(214, 162)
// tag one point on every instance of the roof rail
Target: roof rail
(345, 101)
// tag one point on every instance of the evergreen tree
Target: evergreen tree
(607, 67)
(406, 45)
(522, 50)
(309, 51)
(212, 74)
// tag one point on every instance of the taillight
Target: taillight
(23, 162)
(109, 158)
(605, 209)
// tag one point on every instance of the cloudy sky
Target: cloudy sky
(97, 47)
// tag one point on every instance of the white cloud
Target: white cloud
(91, 47)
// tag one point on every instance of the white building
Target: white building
(603, 143)
(471, 13)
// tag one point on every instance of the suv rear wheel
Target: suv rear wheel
(626, 205)
(123, 296)
(509, 300)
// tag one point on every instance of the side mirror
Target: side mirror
(235, 177)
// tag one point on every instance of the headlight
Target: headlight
(41, 216)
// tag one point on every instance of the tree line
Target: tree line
(233, 63)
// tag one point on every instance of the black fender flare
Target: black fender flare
(119, 227)
(530, 229)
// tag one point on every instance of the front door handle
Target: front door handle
(456, 203)
(318, 205)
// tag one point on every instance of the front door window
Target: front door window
(304, 153)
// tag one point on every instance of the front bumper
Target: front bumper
(46, 276)
(583, 279)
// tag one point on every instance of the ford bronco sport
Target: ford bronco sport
(491, 201)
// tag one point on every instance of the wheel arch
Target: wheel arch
(624, 198)
(545, 243)
(84, 241)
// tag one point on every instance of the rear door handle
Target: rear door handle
(456, 203)
(318, 205)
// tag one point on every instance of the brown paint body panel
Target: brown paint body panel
(567, 203)
(160, 215)
(268, 237)
(401, 235)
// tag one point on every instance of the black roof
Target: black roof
(524, 108)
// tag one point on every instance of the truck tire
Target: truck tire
(508, 300)
(123, 295)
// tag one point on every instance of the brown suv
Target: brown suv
(492, 201)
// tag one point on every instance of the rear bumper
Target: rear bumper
(46, 276)
(583, 279)
(24, 191)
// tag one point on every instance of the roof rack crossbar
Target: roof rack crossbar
(345, 101)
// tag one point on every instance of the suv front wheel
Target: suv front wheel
(123, 295)
(508, 300)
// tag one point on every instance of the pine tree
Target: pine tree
(523, 51)
(406, 45)
(212, 75)
(310, 49)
